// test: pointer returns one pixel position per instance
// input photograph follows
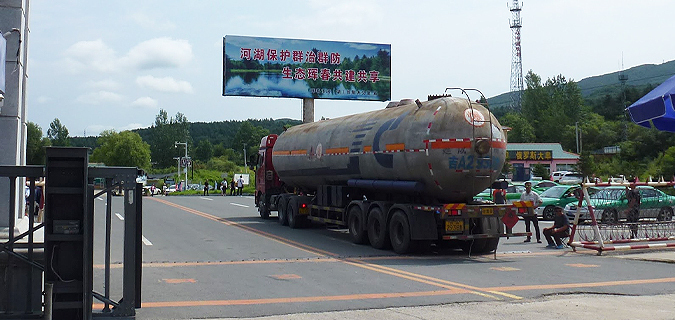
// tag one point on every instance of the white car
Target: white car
(556, 175)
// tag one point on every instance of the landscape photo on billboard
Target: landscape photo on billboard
(293, 68)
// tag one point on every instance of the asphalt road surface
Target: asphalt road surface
(214, 257)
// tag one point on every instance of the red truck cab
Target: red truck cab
(267, 181)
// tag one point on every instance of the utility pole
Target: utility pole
(245, 164)
(175, 144)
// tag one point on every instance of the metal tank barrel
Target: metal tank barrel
(447, 148)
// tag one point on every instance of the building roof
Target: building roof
(556, 149)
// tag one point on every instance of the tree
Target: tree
(248, 136)
(58, 134)
(166, 131)
(125, 149)
(35, 144)
(521, 130)
(204, 150)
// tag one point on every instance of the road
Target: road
(213, 257)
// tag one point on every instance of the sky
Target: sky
(113, 65)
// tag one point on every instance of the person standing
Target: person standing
(559, 230)
(233, 186)
(633, 214)
(529, 195)
(240, 185)
(223, 188)
(206, 187)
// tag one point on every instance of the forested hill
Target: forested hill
(608, 84)
(220, 132)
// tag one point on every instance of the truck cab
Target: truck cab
(267, 181)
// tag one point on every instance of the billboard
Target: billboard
(292, 68)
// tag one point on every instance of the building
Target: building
(522, 156)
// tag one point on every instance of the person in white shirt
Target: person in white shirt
(240, 185)
(529, 195)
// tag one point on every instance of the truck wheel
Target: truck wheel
(262, 207)
(355, 223)
(377, 229)
(282, 211)
(399, 233)
(294, 220)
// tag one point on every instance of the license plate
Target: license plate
(303, 210)
(454, 225)
(487, 211)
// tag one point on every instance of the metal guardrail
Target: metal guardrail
(20, 294)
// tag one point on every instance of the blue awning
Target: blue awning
(656, 107)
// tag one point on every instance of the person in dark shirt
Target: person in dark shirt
(559, 230)
(633, 214)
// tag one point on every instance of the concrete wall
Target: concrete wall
(13, 15)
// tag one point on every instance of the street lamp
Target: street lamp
(175, 145)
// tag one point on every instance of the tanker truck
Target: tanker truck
(399, 177)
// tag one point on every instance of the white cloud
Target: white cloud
(151, 23)
(99, 97)
(132, 126)
(165, 84)
(86, 56)
(159, 53)
(96, 129)
(91, 55)
(145, 102)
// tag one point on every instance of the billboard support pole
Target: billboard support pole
(307, 110)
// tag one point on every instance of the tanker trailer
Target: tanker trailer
(402, 176)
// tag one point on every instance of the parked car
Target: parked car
(556, 196)
(571, 178)
(556, 175)
(169, 189)
(542, 185)
(513, 192)
(610, 204)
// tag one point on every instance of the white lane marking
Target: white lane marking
(205, 198)
(119, 216)
(238, 205)
(146, 241)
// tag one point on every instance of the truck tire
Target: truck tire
(377, 229)
(281, 211)
(295, 221)
(399, 233)
(262, 207)
(357, 233)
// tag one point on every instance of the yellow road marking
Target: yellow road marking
(172, 281)
(163, 304)
(285, 276)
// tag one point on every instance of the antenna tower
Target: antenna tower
(516, 59)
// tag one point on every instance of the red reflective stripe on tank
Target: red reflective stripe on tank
(450, 144)
(281, 153)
